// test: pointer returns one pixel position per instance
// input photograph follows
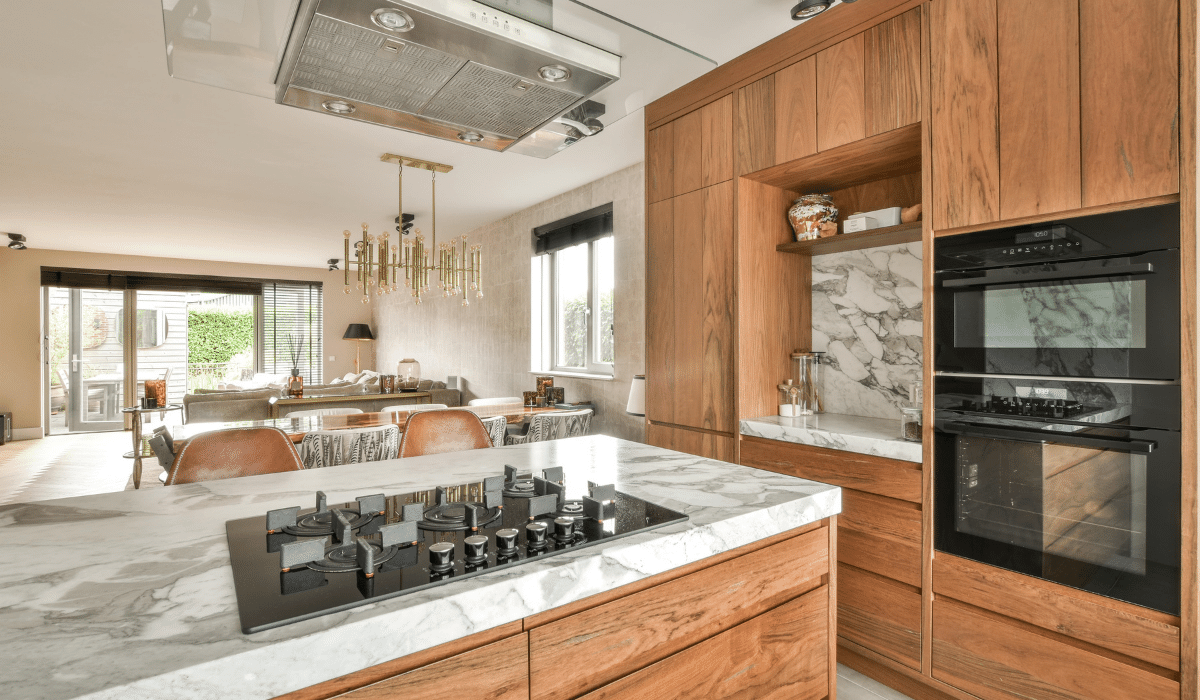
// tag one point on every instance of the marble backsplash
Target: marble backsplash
(866, 314)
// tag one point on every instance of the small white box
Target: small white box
(885, 217)
(858, 222)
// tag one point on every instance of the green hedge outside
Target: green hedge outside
(216, 336)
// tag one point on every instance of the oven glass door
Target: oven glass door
(1112, 317)
(1095, 508)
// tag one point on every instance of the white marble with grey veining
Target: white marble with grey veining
(861, 434)
(866, 314)
(130, 595)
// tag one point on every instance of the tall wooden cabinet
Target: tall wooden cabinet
(1043, 107)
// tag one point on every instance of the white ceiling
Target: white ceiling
(104, 152)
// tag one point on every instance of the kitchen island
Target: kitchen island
(130, 595)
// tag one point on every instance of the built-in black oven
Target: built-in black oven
(1076, 482)
(1094, 296)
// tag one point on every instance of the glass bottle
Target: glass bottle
(808, 374)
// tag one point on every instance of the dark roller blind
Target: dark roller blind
(573, 230)
(292, 310)
(113, 279)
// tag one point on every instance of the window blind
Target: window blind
(112, 279)
(583, 227)
(292, 311)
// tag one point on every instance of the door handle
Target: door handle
(1010, 276)
(1035, 435)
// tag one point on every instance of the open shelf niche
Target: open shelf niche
(775, 290)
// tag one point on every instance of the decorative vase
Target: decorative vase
(408, 375)
(295, 385)
(807, 214)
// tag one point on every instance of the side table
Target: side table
(137, 412)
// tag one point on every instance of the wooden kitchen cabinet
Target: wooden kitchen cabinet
(841, 94)
(1039, 108)
(498, 671)
(892, 55)
(693, 151)
(660, 163)
(693, 442)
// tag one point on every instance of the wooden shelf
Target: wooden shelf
(892, 153)
(874, 238)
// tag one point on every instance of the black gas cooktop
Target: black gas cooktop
(293, 564)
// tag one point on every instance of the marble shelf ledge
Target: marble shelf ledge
(861, 434)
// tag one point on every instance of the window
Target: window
(292, 322)
(573, 289)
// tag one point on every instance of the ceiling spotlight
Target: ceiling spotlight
(470, 136)
(333, 264)
(337, 106)
(807, 9)
(393, 20)
(554, 73)
(16, 241)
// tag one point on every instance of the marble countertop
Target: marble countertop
(868, 436)
(130, 595)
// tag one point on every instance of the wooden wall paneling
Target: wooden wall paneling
(1190, 610)
(717, 141)
(1129, 85)
(498, 671)
(841, 93)
(779, 654)
(633, 632)
(688, 152)
(756, 126)
(965, 115)
(877, 475)
(893, 73)
(660, 163)
(1039, 107)
(717, 329)
(995, 660)
(689, 311)
(796, 111)
(660, 311)
(880, 614)
(1121, 627)
(774, 312)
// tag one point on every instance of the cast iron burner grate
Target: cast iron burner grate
(318, 524)
(519, 488)
(453, 517)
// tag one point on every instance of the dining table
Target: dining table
(297, 428)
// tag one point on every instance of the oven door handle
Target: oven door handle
(1030, 434)
(1009, 276)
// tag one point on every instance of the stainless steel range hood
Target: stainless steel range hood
(454, 69)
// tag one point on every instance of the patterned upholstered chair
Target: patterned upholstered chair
(554, 426)
(329, 448)
(496, 426)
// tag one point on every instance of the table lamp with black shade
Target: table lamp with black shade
(358, 332)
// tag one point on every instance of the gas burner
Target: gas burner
(450, 517)
(345, 557)
(520, 488)
(319, 524)
(570, 509)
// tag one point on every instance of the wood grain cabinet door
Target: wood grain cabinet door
(498, 671)
(660, 163)
(841, 93)
(796, 111)
(716, 141)
(892, 52)
(965, 107)
(660, 311)
(1130, 93)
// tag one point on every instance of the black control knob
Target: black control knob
(441, 556)
(506, 540)
(535, 535)
(475, 549)
(564, 530)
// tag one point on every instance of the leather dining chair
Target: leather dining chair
(224, 454)
(449, 430)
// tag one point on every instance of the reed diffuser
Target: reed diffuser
(295, 347)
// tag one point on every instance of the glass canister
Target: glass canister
(809, 375)
(408, 375)
(910, 424)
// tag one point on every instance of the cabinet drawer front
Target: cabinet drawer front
(497, 671)
(612, 640)
(885, 477)
(779, 654)
(881, 556)
(1074, 613)
(880, 615)
(984, 655)
(889, 518)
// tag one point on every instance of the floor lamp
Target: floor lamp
(358, 332)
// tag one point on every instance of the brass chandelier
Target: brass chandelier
(378, 263)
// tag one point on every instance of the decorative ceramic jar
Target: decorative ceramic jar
(807, 214)
(408, 375)
(544, 384)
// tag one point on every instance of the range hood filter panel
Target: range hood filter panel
(489, 100)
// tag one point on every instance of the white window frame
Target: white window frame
(545, 317)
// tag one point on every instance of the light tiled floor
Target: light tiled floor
(853, 685)
(60, 466)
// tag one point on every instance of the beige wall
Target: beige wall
(21, 370)
(488, 343)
